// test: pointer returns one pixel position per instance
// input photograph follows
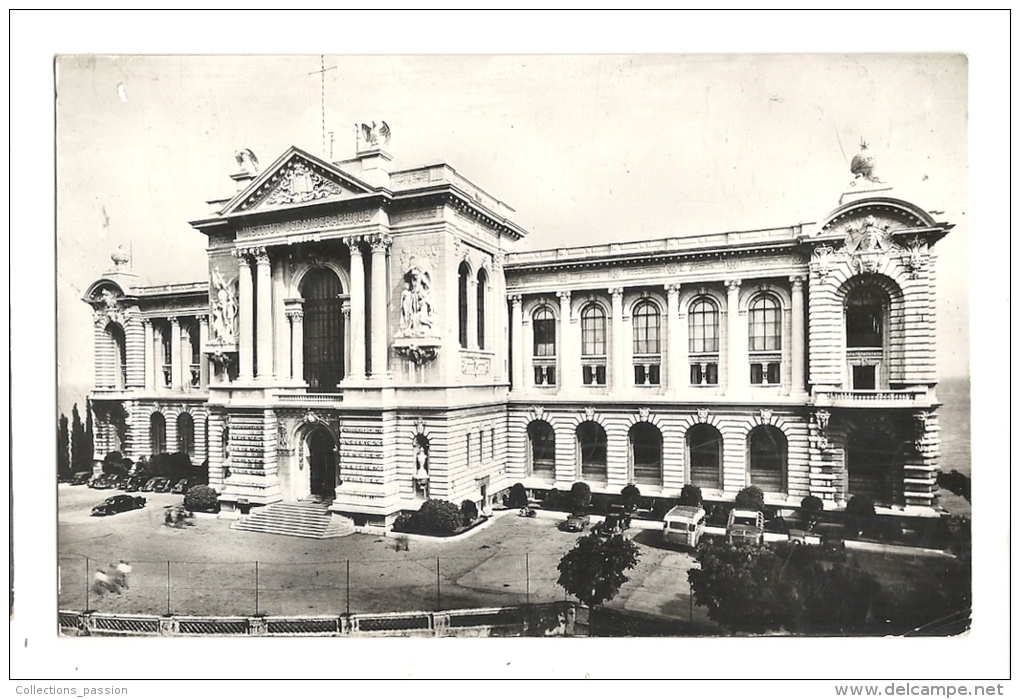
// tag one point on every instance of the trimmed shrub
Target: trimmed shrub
(812, 503)
(860, 506)
(201, 498)
(691, 496)
(751, 498)
(114, 463)
(159, 465)
(180, 466)
(404, 522)
(600, 503)
(631, 495)
(438, 517)
(518, 496)
(468, 512)
(580, 496)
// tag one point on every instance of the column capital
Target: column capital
(672, 289)
(563, 294)
(202, 317)
(174, 320)
(345, 309)
(353, 243)
(295, 313)
(797, 280)
(380, 242)
(616, 292)
(516, 299)
(146, 322)
(733, 285)
(260, 254)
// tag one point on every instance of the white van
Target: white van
(684, 525)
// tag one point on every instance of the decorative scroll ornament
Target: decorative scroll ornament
(920, 429)
(223, 361)
(419, 426)
(299, 184)
(823, 257)
(415, 354)
(822, 418)
(311, 418)
(109, 310)
(869, 243)
(916, 255)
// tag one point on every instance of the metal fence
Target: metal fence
(349, 586)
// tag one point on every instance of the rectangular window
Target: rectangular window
(545, 374)
(864, 378)
(646, 374)
(705, 374)
(594, 374)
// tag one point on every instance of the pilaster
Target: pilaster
(175, 354)
(619, 379)
(674, 352)
(736, 369)
(264, 309)
(797, 345)
(567, 358)
(356, 371)
(380, 305)
(245, 314)
(517, 340)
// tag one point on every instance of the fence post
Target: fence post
(527, 578)
(439, 593)
(256, 588)
(348, 587)
(87, 590)
(168, 588)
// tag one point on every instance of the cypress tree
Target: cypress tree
(63, 448)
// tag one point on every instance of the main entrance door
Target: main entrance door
(323, 330)
(322, 463)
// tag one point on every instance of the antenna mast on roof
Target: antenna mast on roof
(322, 74)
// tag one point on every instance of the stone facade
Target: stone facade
(367, 337)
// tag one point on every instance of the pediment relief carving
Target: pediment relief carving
(296, 182)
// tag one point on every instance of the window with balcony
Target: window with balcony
(117, 344)
(865, 310)
(703, 342)
(765, 340)
(543, 355)
(647, 348)
(167, 356)
(196, 356)
(593, 345)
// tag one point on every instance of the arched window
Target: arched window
(874, 467)
(115, 335)
(186, 434)
(646, 453)
(591, 451)
(225, 444)
(483, 287)
(765, 339)
(196, 354)
(703, 342)
(157, 433)
(704, 456)
(543, 324)
(647, 347)
(542, 439)
(865, 336)
(463, 274)
(766, 456)
(593, 345)
(323, 330)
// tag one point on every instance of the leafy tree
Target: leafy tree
(438, 517)
(956, 483)
(691, 496)
(596, 568)
(751, 498)
(742, 587)
(580, 496)
(114, 463)
(81, 447)
(63, 448)
(860, 515)
(518, 496)
(631, 497)
(89, 436)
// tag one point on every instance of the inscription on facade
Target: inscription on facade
(345, 218)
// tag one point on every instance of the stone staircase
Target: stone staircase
(307, 518)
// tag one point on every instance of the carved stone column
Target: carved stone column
(472, 313)
(619, 379)
(380, 305)
(156, 374)
(245, 315)
(356, 371)
(175, 354)
(345, 309)
(674, 352)
(203, 360)
(264, 310)
(147, 351)
(295, 317)
(565, 354)
(736, 369)
(517, 340)
(797, 346)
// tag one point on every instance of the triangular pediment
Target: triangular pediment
(295, 179)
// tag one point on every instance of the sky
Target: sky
(594, 127)
(586, 148)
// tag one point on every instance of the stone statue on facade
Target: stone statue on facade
(224, 311)
(416, 309)
(375, 136)
(247, 161)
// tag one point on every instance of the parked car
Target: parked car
(684, 525)
(745, 527)
(180, 487)
(102, 482)
(154, 484)
(576, 522)
(118, 503)
(81, 478)
(134, 484)
(164, 486)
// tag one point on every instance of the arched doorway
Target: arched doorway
(704, 456)
(321, 452)
(646, 454)
(323, 330)
(542, 439)
(591, 452)
(874, 467)
(766, 458)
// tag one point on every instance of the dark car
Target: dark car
(163, 486)
(150, 485)
(180, 487)
(134, 484)
(81, 478)
(576, 522)
(103, 482)
(118, 503)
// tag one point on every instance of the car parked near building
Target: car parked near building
(684, 525)
(118, 503)
(576, 522)
(745, 527)
(180, 487)
(81, 478)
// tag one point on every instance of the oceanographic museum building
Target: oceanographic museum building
(367, 337)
